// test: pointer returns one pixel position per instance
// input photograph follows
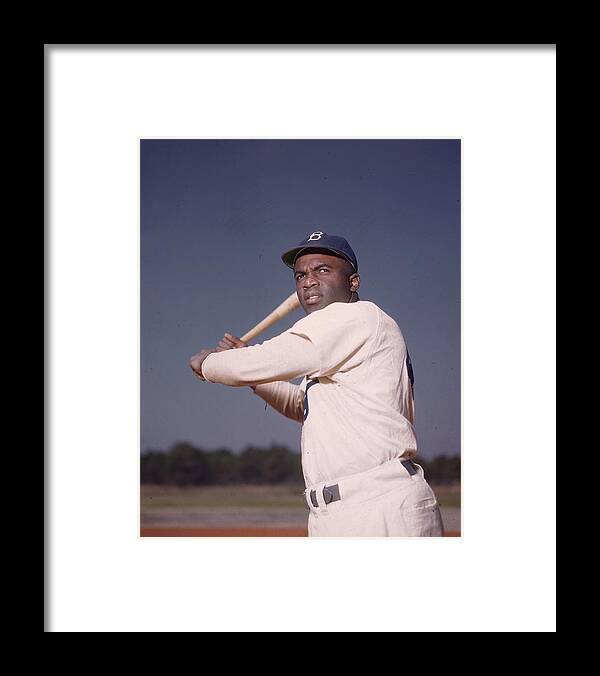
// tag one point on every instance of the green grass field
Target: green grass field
(223, 496)
(261, 496)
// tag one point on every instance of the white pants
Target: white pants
(386, 501)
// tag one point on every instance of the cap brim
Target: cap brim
(289, 257)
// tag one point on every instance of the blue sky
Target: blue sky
(216, 216)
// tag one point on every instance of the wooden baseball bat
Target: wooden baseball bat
(289, 305)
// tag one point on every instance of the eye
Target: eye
(321, 269)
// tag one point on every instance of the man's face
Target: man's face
(322, 279)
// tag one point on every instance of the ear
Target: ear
(355, 281)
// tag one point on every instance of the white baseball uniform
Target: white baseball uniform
(356, 408)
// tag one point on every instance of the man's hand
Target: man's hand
(196, 362)
(229, 342)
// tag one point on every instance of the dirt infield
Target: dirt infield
(235, 532)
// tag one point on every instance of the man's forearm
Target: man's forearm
(282, 358)
(285, 398)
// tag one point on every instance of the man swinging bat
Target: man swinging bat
(355, 402)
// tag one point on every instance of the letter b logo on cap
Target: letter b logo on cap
(314, 236)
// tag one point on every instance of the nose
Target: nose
(309, 281)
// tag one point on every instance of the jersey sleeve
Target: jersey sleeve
(286, 398)
(342, 335)
(284, 357)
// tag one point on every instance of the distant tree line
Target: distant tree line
(186, 465)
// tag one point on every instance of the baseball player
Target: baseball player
(355, 402)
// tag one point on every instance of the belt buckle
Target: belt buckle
(327, 496)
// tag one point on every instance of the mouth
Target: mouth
(312, 299)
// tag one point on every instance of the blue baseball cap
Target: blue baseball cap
(321, 240)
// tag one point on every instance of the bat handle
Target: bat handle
(289, 305)
(250, 335)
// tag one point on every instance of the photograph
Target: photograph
(300, 337)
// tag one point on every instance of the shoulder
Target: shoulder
(383, 317)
